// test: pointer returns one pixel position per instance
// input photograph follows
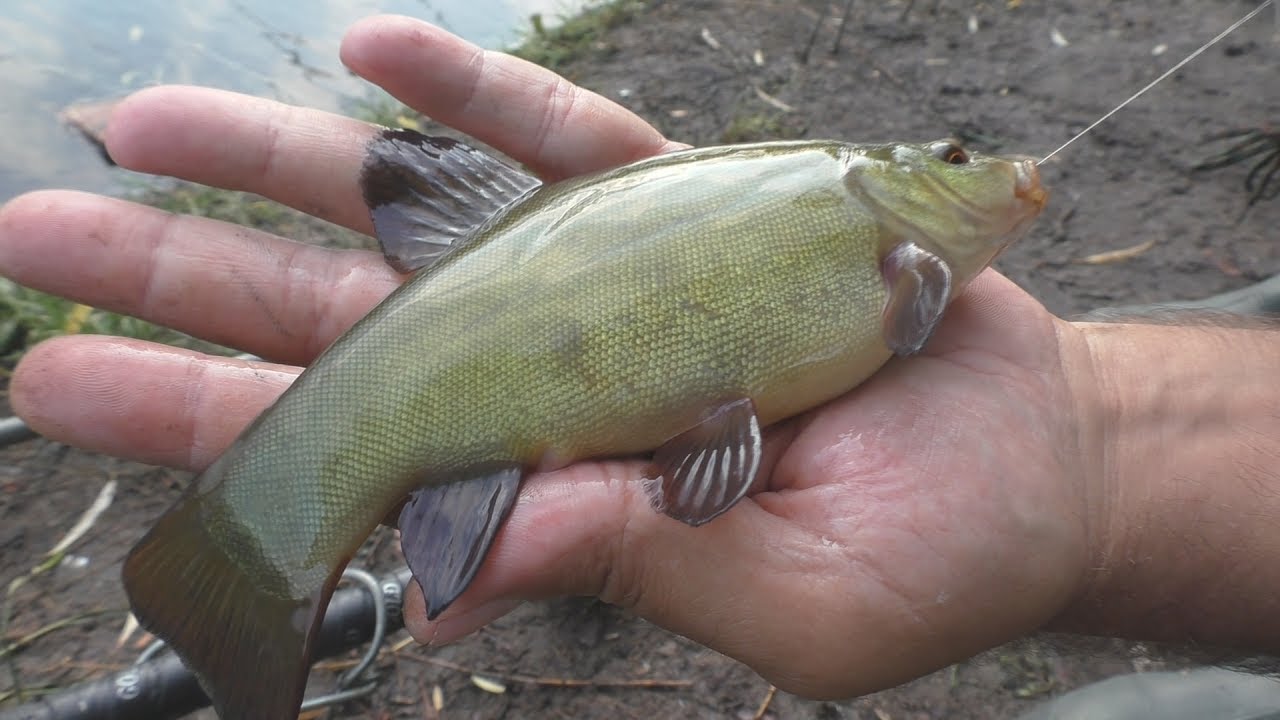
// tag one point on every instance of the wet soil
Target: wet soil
(1004, 76)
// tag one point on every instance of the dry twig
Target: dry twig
(1115, 256)
(764, 704)
(34, 635)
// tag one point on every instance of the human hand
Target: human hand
(244, 288)
(937, 510)
(949, 504)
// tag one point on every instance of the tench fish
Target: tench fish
(672, 306)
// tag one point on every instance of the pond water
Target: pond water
(57, 52)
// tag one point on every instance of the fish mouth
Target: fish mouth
(1026, 184)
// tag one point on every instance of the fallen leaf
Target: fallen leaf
(1115, 256)
(709, 39)
(130, 627)
(487, 685)
(773, 100)
(86, 521)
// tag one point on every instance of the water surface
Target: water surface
(57, 52)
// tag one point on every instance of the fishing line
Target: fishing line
(1160, 79)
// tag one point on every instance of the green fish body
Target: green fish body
(673, 305)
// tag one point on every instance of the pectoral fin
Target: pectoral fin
(446, 531)
(427, 194)
(919, 285)
(708, 468)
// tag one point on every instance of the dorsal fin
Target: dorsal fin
(427, 193)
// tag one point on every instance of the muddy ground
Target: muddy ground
(1005, 76)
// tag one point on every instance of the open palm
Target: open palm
(937, 510)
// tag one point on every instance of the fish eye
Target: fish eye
(950, 153)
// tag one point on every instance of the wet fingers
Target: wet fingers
(227, 284)
(528, 112)
(140, 400)
(307, 159)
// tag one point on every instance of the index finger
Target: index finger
(528, 112)
(310, 160)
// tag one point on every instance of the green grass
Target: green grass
(757, 127)
(246, 210)
(577, 36)
(209, 202)
(750, 128)
(380, 108)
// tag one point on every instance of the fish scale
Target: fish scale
(678, 304)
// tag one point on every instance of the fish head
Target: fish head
(963, 206)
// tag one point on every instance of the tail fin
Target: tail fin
(248, 643)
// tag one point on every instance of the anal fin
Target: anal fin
(446, 531)
(707, 469)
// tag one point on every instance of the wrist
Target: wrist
(1185, 493)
